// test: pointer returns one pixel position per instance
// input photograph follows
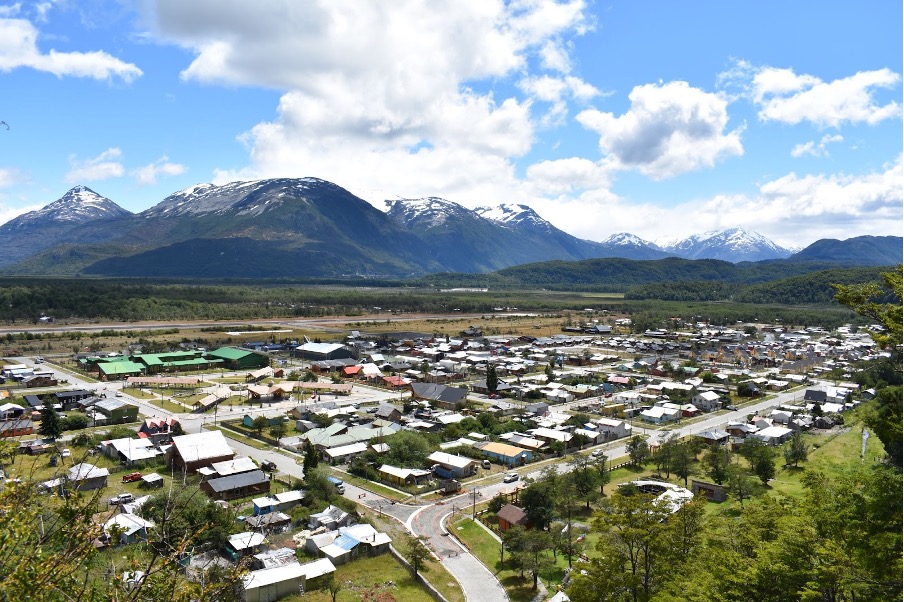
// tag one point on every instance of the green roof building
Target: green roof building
(239, 359)
(120, 369)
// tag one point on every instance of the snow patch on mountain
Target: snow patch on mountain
(202, 199)
(428, 212)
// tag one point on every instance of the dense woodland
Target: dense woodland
(798, 300)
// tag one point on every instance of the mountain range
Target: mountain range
(307, 227)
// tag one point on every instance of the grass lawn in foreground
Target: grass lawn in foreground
(381, 573)
(486, 549)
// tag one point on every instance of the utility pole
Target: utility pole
(473, 503)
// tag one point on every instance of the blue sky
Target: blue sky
(662, 119)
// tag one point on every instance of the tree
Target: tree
(492, 378)
(884, 417)
(866, 299)
(407, 448)
(796, 450)
(716, 461)
(311, 458)
(683, 459)
(278, 430)
(761, 458)
(663, 456)
(638, 450)
(51, 425)
(602, 471)
(532, 552)
(738, 482)
(416, 552)
(259, 424)
(333, 586)
(584, 478)
(74, 422)
(496, 503)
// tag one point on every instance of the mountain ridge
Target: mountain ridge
(312, 227)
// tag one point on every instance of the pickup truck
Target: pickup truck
(131, 477)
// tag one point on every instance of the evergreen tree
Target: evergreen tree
(51, 425)
(492, 378)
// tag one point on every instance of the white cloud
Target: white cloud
(816, 149)
(10, 10)
(377, 95)
(18, 48)
(102, 167)
(148, 174)
(8, 213)
(787, 97)
(670, 129)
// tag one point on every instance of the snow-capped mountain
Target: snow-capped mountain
(78, 206)
(630, 246)
(252, 197)
(429, 212)
(516, 215)
(732, 244)
(79, 216)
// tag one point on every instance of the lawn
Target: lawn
(380, 573)
(486, 549)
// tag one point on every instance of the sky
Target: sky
(659, 118)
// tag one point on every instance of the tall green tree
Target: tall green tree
(492, 378)
(716, 461)
(638, 450)
(277, 430)
(796, 450)
(51, 425)
(416, 552)
(259, 424)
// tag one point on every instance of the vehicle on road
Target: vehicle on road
(510, 477)
(731, 407)
(122, 498)
(117, 394)
(340, 486)
(131, 477)
(597, 453)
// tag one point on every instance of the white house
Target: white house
(706, 401)
(659, 415)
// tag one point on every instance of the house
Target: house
(331, 519)
(191, 452)
(714, 436)
(506, 454)
(403, 476)
(354, 541)
(450, 466)
(130, 451)
(11, 410)
(344, 453)
(706, 401)
(740, 429)
(158, 429)
(441, 396)
(237, 485)
(815, 396)
(279, 502)
(273, 583)
(16, 427)
(117, 411)
(659, 415)
(272, 417)
(511, 515)
(272, 522)
(323, 351)
(84, 477)
(612, 428)
(227, 468)
(552, 435)
(774, 435)
(388, 412)
(244, 544)
(130, 527)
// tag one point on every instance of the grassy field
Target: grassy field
(378, 574)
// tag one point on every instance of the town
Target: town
(321, 455)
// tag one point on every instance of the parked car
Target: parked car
(66, 452)
(597, 453)
(486, 464)
(131, 477)
(510, 477)
(268, 465)
(122, 498)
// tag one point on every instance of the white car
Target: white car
(65, 453)
(510, 477)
